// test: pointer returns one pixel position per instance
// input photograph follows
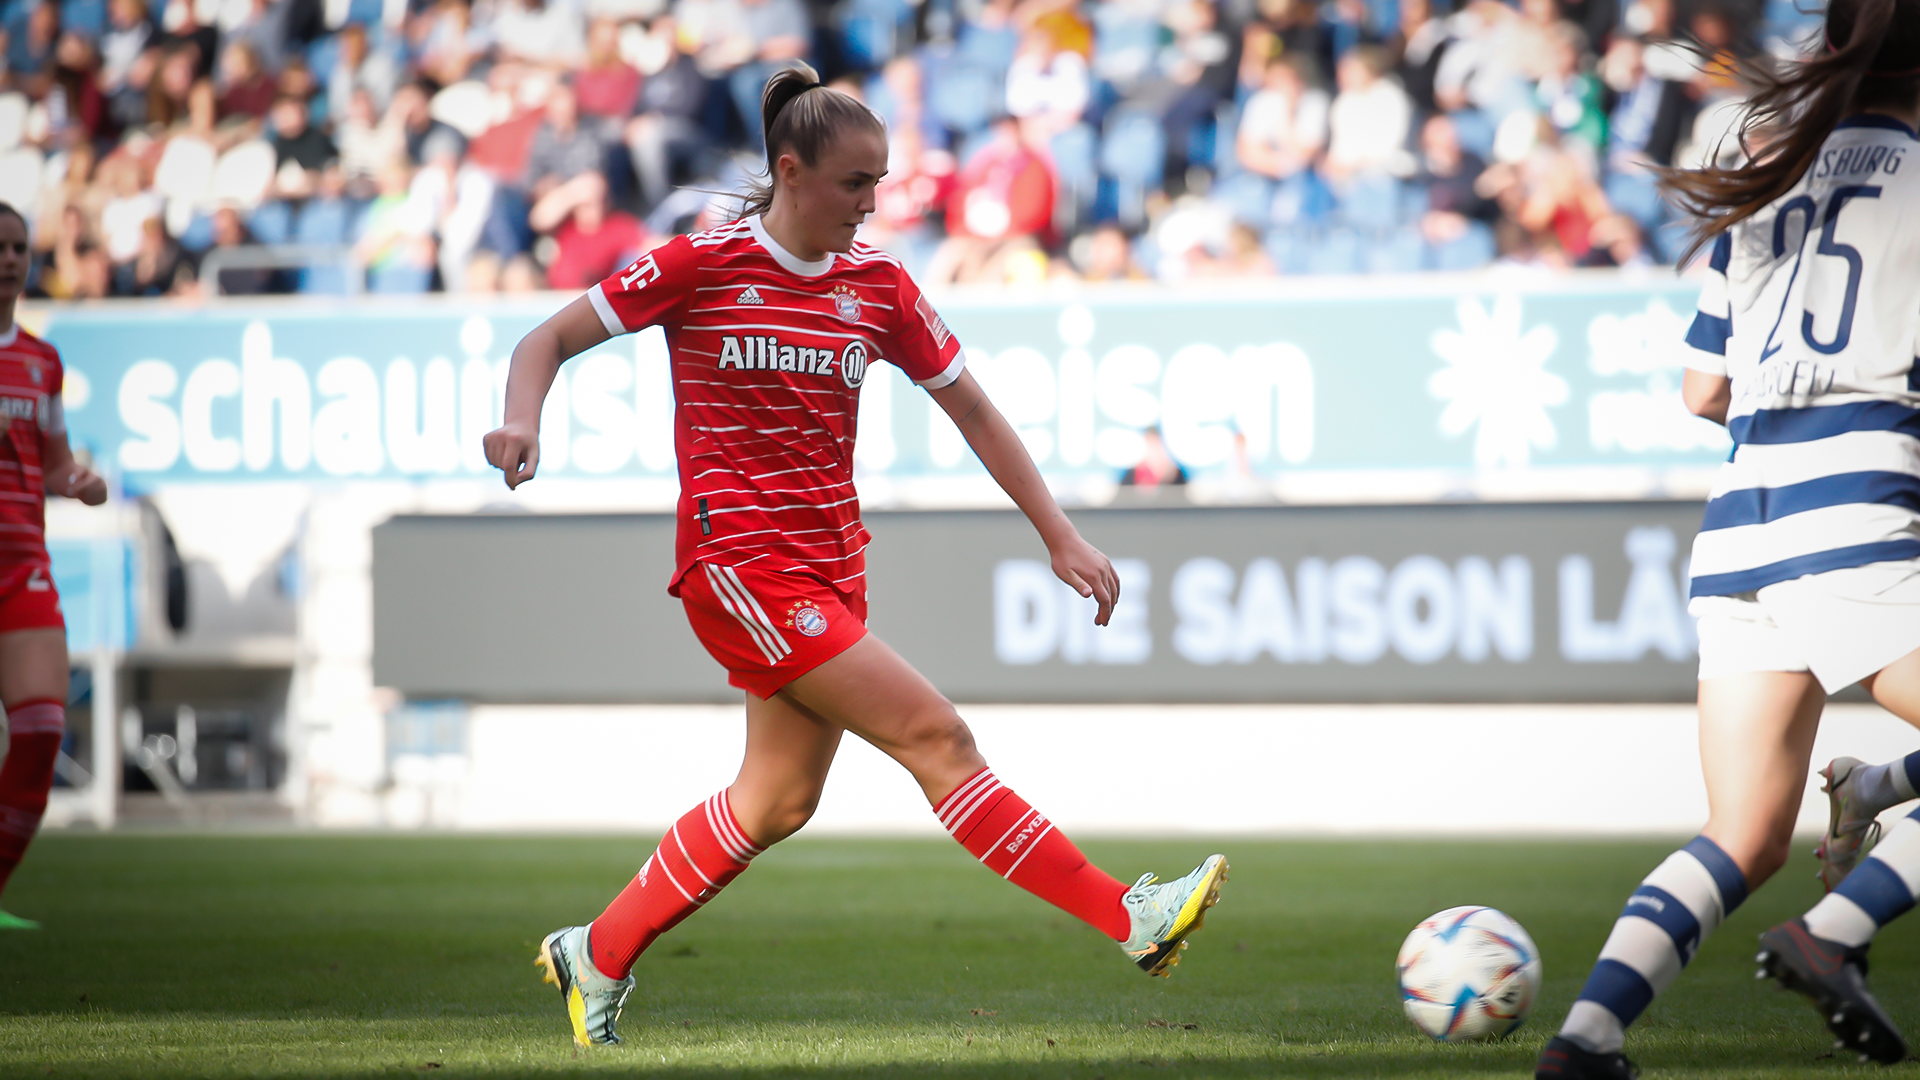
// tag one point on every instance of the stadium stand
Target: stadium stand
(418, 145)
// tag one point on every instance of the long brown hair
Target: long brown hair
(1870, 59)
(800, 116)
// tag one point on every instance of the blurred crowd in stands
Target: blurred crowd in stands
(187, 147)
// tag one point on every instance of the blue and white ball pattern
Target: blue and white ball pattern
(1468, 973)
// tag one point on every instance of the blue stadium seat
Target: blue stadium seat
(961, 96)
(1249, 196)
(1471, 252)
(989, 48)
(326, 280)
(322, 55)
(1338, 251)
(1288, 249)
(1791, 21)
(198, 235)
(399, 278)
(1226, 129)
(1401, 251)
(869, 30)
(1414, 200)
(1371, 204)
(87, 16)
(323, 221)
(272, 222)
(1134, 154)
(1074, 152)
(1476, 130)
(1636, 195)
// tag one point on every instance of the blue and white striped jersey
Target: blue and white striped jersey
(1812, 309)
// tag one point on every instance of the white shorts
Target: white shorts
(1843, 625)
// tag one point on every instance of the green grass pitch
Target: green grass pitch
(328, 955)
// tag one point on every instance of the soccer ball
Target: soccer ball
(1468, 973)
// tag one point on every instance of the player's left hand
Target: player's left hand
(86, 485)
(1081, 565)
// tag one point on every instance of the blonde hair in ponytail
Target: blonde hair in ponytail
(1871, 59)
(800, 116)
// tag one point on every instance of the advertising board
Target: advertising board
(1581, 602)
(1483, 373)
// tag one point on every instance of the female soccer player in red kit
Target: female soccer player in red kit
(773, 323)
(34, 461)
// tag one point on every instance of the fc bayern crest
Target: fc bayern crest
(846, 303)
(807, 619)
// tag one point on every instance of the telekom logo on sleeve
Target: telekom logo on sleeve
(641, 274)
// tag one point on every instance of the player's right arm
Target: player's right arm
(514, 447)
(1705, 387)
(652, 289)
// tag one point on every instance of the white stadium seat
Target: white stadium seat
(243, 173)
(466, 107)
(13, 119)
(20, 170)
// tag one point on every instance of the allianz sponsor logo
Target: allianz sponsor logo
(756, 352)
(1353, 610)
(24, 408)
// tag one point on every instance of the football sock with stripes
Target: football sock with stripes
(1665, 921)
(1018, 842)
(1878, 787)
(34, 729)
(1880, 889)
(703, 851)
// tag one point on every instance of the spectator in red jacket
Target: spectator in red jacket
(591, 239)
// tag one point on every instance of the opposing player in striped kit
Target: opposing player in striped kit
(34, 461)
(773, 323)
(1806, 570)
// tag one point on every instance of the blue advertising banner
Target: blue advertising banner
(1484, 373)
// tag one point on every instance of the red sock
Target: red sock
(703, 851)
(34, 729)
(1018, 842)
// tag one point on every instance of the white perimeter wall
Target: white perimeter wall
(1365, 770)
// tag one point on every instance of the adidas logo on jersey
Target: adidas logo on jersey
(750, 296)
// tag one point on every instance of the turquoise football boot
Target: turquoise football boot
(593, 1000)
(1163, 915)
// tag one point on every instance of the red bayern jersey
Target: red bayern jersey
(769, 353)
(30, 382)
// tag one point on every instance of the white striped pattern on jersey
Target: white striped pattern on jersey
(1811, 308)
(30, 380)
(766, 393)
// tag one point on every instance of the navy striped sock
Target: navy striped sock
(1664, 922)
(1880, 889)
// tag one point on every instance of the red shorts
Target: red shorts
(768, 629)
(28, 600)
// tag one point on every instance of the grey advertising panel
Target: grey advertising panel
(1437, 603)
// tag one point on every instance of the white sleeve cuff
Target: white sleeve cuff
(1705, 362)
(597, 296)
(947, 377)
